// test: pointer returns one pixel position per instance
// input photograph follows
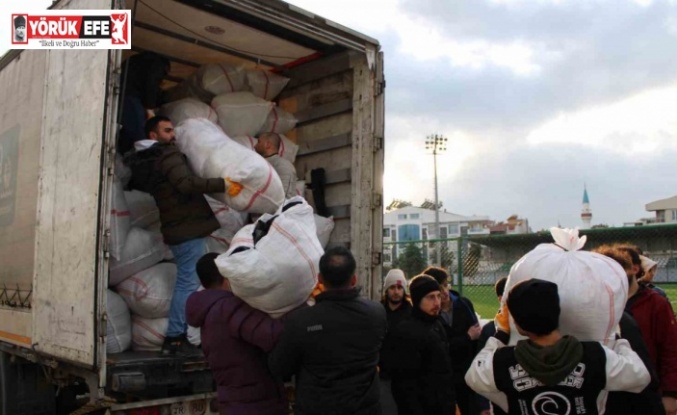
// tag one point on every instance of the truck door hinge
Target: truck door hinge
(380, 88)
(376, 258)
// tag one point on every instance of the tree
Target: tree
(411, 261)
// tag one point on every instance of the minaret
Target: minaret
(586, 213)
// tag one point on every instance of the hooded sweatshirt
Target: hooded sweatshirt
(236, 339)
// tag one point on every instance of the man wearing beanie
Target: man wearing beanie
(397, 306)
(20, 29)
(549, 372)
(420, 364)
(463, 331)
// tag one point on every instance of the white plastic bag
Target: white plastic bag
(278, 273)
(148, 334)
(279, 121)
(265, 84)
(120, 220)
(118, 324)
(213, 154)
(142, 250)
(186, 108)
(593, 288)
(324, 227)
(241, 113)
(149, 292)
(142, 208)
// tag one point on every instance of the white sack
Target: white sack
(118, 325)
(120, 220)
(142, 250)
(279, 121)
(265, 84)
(324, 226)
(186, 108)
(593, 288)
(241, 113)
(209, 80)
(248, 141)
(213, 154)
(142, 208)
(122, 171)
(280, 271)
(301, 188)
(148, 334)
(231, 222)
(149, 292)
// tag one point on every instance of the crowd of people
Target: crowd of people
(421, 351)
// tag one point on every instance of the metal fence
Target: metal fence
(477, 262)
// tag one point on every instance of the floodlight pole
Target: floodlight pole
(437, 144)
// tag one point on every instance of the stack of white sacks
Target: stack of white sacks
(141, 282)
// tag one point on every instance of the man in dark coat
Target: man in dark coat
(333, 347)
(236, 339)
(160, 169)
(420, 364)
(463, 331)
(398, 307)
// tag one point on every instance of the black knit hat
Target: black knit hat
(19, 21)
(534, 304)
(420, 286)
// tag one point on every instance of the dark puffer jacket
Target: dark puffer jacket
(163, 171)
(333, 350)
(420, 365)
(394, 317)
(235, 339)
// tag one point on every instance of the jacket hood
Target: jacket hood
(144, 144)
(549, 364)
(200, 302)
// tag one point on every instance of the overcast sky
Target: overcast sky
(537, 98)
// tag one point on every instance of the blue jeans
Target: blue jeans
(187, 282)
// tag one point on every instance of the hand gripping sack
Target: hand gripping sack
(593, 288)
(142, 250)
(241, 113)
(265, 84)
(186, 108)
(118, 324)
(148, 334)
(213, 154)
(149, 292)
(278, 273)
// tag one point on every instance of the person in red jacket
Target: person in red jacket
(656, 321)
(236, 340)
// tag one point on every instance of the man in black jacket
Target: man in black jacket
(159, 168)
(420, 364)
(333, 347)
(463, 331)
(398, 308)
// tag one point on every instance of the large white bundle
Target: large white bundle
(279, 121)
(278, 273)
(324, 226)
(265, 84)
(241, 113)
(118, 324)
(593, 288)
(142, 250)
(186, 108)
(148, 334)
(212, 154)
(149, 292)
(210, 80)
(142, 209)
(120, 220)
